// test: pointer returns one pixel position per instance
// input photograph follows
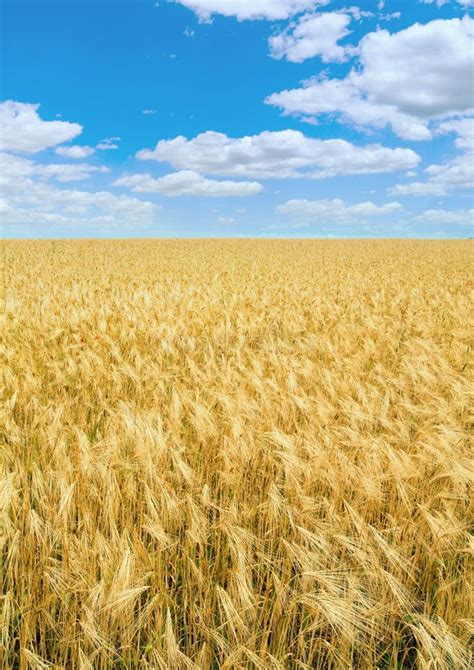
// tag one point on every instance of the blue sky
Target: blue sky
(235, 118)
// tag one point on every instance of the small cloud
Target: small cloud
(108, 143)
(75, 151)
(172, 55)
(188, 33)
(358, 13)
(226, 219)
(389, 17)
(150, 111)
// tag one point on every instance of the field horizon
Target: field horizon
(250, 237)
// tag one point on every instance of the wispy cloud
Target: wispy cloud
(108, 143)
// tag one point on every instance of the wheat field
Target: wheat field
(236, 454)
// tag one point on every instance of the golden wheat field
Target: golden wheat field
(236, 454)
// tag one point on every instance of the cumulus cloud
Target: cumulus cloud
(245, 9)
(15, 167)
(75, 151)
(22, 129)
(456, 174)
(404, 80)
(335, 210)
(43, 205)
(417, 188)
(284, 154)
(313, 35)
(50, 206)
(463, 128)
(460, 217)
(188, 182)
(29, 199)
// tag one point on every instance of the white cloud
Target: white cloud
(150, 111)
(22, 129)
(67, 172)
(284, 154)
(357, 13)
(93, 209)
(460, 217)
(108, 143)
(28, 199)
(464, 129)
(188, 182)
(75, 151)
(404, 80)
(418, 188)
(14, 167)
(38, 204)
(440, 3)
(390, 17)
(245, 9)
(455, 174)
(313, 35)
(226, 220)
(335, 210)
